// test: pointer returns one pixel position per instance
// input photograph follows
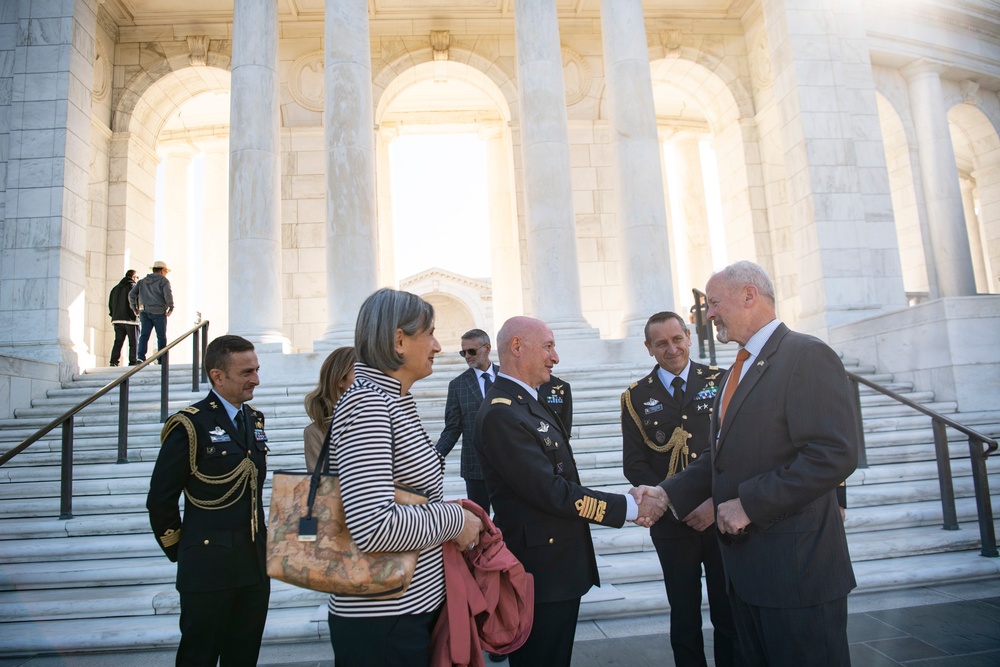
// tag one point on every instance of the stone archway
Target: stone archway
(490, 114)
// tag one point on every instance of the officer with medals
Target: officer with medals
(538, 501)
(665, 424)
(215, 453)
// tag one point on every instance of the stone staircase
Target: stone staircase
(98, 581)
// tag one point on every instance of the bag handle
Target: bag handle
(323, 464)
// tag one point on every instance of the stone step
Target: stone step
(618, 599)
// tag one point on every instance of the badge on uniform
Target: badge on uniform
(559, 468)
(217, 434)
(259, 435)
(652, 405)
(708, 392)
(661, 437)
(543, 427)
(701, 407)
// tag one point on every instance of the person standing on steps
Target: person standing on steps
(152, 300)
(123, 319)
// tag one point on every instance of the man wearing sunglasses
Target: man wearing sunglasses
(465, 395)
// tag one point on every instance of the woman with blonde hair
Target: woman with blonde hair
(377, 443)
(336, 375)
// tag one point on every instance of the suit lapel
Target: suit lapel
(761, 363)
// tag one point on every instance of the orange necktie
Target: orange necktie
(734, 379)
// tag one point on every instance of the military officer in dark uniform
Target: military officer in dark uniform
(215, 452)
(665, 423)
(557, 395)
(537, 498)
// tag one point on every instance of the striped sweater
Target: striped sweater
(362, 454)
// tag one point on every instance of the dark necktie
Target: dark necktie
(487, 382)
(678, 385)
(732, 381)
(241, 428)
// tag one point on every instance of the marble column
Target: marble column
(213, 304)
(255, 176)
(383, 190)
(351, 242)
(504, 251)
(642, 217)
(47, 156)
(175, 235)
(553, 270)
(939, 174)
(974, 231)
(695, 253)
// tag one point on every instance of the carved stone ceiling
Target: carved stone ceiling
(150, 12)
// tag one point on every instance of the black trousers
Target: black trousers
(475, 490)
(813, 636)
(681, 559)
(223, 625)
(123, 331)
(550, 643)
(382, 641)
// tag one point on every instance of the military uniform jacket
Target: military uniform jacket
(464, 399)
(215, 549)
(659, 417)
(557, 395)
(535, 489)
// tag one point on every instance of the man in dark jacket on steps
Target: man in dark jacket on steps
(123, 319)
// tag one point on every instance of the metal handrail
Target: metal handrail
(977, 454)
(703, 325)
(66, 420)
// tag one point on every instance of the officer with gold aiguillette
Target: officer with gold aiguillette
(665, 424)
(215, 453)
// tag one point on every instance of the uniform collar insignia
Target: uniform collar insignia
(213, 405)
(556, 387)
(701, 407)
(543, 427)
(712, 377)
(217, 431)
(698, 371)
(650, 380)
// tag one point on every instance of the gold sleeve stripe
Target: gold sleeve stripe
(589, 507)
(602, 507)
(170, 538)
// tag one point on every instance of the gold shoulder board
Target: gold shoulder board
(190, 409)
(501, 401)
(634, 385)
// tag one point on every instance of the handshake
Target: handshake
(652, 501)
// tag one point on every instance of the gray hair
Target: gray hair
(380, 316)
(477, 335)
(748, 273)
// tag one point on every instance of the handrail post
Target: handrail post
(981, 485)
(859, 423)
(195, 371)
(164, 386)
(944, 475)
(123, 422)
(66, 471)
(204, 349)
(699, 322)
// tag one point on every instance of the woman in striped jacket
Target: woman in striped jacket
(378, 441)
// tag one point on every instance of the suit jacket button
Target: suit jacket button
(552, 540)
(694, 455)
(223, 452)
(684, 416)
(206, 543)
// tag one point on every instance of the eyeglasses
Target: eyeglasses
(472, 352)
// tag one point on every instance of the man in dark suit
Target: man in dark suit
(665, 423)
(215, 452)
(539, 503)
(465, 395)
(783, 435)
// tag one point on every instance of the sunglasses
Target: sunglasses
(472, 352)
